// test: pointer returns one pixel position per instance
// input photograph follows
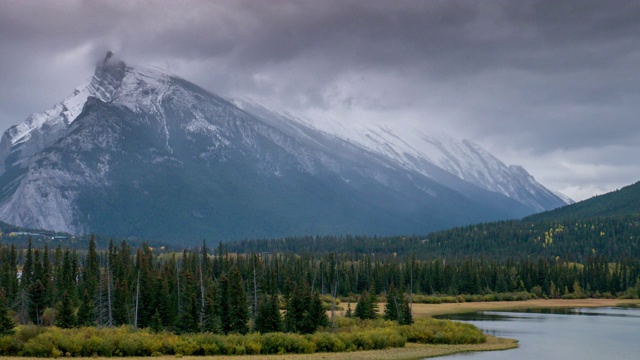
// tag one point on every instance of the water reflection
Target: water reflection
(599, 333)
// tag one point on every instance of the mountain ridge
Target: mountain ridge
(432, 155)
(153, 155)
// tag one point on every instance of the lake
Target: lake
(594, 333)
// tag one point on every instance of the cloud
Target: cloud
(537, 82)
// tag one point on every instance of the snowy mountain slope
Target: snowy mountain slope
(154, 156)
(40, 130)
(436, 155)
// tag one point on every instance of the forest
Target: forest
(611, 237)
(95, 296)
(222, 292)
(123, 301)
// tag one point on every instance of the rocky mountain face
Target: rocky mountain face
(139, 153)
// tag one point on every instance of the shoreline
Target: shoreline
(425, 310)
(414, 351)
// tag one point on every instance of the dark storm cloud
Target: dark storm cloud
(531, 80)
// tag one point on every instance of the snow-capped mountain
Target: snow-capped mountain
(429, 154)
(137, 152)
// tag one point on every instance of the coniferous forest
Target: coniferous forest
(204, 290)
(296, 286)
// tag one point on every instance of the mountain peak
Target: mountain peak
(109, 73)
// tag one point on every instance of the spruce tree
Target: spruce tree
(297, 304)
(407, 317)
(364, 307)
(190, 317)
(268, 318)
(238, 306)
(6, 323)
(211, 316)
(37, 294)
(392, 308)
(223, 304)
(156, 323)
(86, 311)
(65, 319)
(348, 313)
(315, 316)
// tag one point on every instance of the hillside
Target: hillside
(625, 201)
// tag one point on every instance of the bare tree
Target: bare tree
(135, 321)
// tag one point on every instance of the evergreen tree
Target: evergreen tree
(238, 307)
(190, 317)
(367, 306)
(156, 323)
(348, 313)
(66, 318)
(37, 296)
(6, 323)
(211, 316)
(296, 307)
(315, 316)
(91, 271)
(268, 318)
(86, 311)
(27, 270)
(392, 308)
(223, 304)
(407, 317)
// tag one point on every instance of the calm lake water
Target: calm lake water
(602, 333)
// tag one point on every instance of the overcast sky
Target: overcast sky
(550, 85)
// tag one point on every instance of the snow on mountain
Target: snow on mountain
(429, 154)
(40, 130)
(137, 152)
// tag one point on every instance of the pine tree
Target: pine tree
(156, 323)
(315, 316)
(296, 307)
(190, 317)
(367, 306)
(392, 308)
(211, 317)
(223, 304)
(268, 318)
(65, 319)
(27, 270)
(37, 295)
(91, 271)
(406, 318)
(86, 311)
(238, 307)
(348, 313)
(6, 323)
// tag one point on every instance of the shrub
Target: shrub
(39, 347)
(186, 346)
(10, 345)
(432, 331)
(327, 342)
(274, 343)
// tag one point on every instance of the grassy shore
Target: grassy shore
(419, 351)
(409, 352)
(424, 310)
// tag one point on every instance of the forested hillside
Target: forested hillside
(625, 201)
(573, 240)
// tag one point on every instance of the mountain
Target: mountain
(435, 155)
(625, 201)
(139, 153)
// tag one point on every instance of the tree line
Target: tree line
(611, 237)
(223, 292)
